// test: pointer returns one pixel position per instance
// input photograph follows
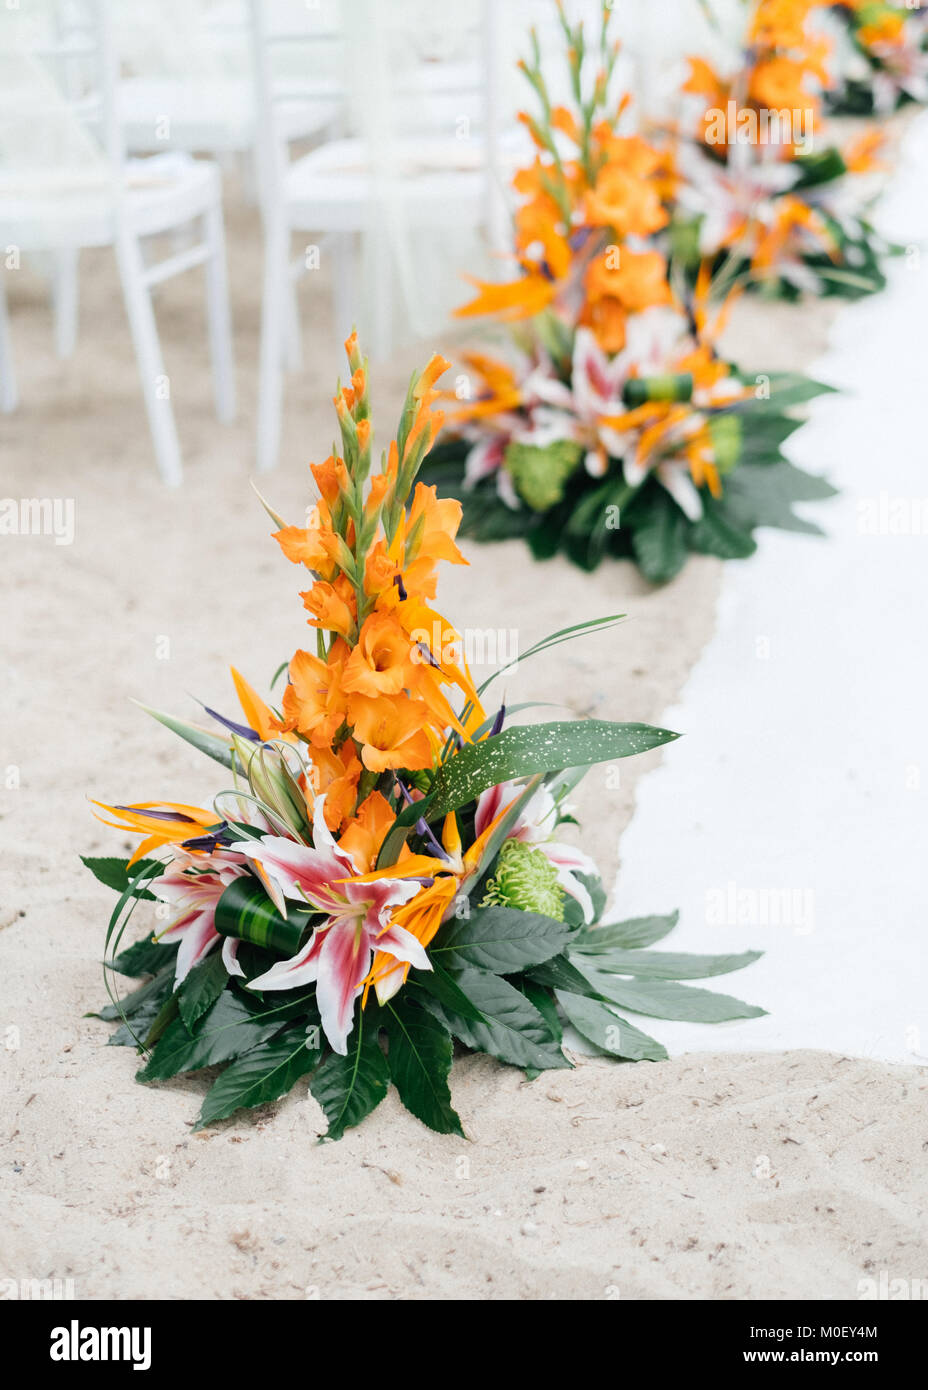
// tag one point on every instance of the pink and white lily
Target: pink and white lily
(193, 885)
(535, 826)
(358, 912)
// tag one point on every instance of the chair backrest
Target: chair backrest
(58, 126)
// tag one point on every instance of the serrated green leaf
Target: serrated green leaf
(513, 1030)
(665, 999)
(349, 1088)
(419, 1058)
(201, 989)
(500, 939)
(596, 1022)
(669, 965)
(263, 1074)
(630, 935)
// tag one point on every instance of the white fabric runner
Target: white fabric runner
(801, 785)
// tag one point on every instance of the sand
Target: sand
(734, 1177)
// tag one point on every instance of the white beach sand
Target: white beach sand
(791, 1175)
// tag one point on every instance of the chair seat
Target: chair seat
(214, 115)
(437, 183)
(161, 193)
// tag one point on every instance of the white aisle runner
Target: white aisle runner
(793, 815)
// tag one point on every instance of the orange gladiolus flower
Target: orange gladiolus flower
(379, 664)
(365, 832)
(391, 730)
(333, 606)
(314, 703)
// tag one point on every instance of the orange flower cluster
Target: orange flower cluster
(370, 698)
(786, 71)
(586, 193)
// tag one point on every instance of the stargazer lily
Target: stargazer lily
(193, 885)
(358, 913)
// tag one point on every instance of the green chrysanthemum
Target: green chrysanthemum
(526, 879)
(540, 475)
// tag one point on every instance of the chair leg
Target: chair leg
(9, 396)
(155, 382)
(293, 333)
(273, 310)
(66, 289)
(217, 309)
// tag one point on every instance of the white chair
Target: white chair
(65, 185)
(425, 163)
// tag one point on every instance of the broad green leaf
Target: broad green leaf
(668, 965)
(596, 1022)
(349, 1088)
(514, 1031)
(442, 986)
(264, 1074)
(501, 939)
(536, 748)
(765, 496)
(134, 1029)
(115, 873)
(233, 1025)
(787, 389)
(559, 973)
(146, 957)
(665, 999)
(132, 1003)
(543, 1001)
(716, 534)
(636, 932)
(419, 1058)
(659, 538)
(201, 989)
(215, 746)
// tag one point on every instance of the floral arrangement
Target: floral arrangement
(386, 873)
(882, 57)
(758, 187)
(612, 426)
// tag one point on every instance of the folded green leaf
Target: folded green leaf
(419, 1058)
(264, 1074)
(246, 912)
